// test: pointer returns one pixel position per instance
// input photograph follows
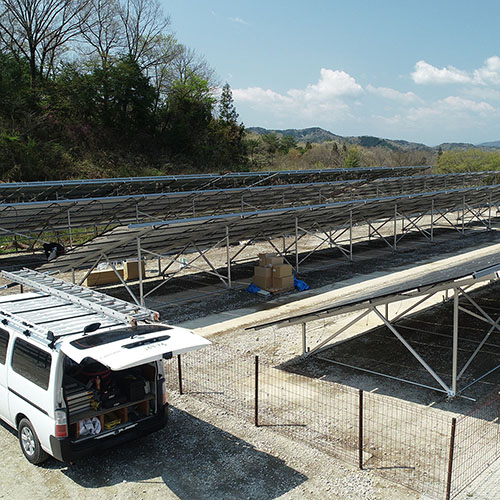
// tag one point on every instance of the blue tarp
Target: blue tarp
(300, 285)
(253, 288)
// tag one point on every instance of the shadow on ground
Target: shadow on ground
(194, 459)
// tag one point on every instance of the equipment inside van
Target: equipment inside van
(79, 370)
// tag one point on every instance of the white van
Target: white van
(75, 375)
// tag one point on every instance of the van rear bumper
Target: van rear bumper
(65, 450)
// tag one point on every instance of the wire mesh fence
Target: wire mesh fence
(477, 443)
(422, 448)
(406, 443)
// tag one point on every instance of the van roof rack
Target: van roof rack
(59, 293)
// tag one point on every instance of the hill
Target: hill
(319, 135)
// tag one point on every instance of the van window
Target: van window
(4, 340)
(32, 363)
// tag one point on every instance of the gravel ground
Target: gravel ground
(209, 457)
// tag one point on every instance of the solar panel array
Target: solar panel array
(118, 210)
(173, 235)
(91, 188)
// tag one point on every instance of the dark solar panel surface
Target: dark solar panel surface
(172, 236)
(92, 188)
(118, 210)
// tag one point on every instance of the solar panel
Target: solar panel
(85, 188)
(172, 236)
(118, 210)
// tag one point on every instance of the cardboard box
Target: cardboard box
(263, 282)
(274, 261)
(284, 283)
(131, 270)
(282, 270)
(105, 277)
(265, 272)
(263, 258)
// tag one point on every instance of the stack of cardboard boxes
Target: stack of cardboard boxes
(272, 274)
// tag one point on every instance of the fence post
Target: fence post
(179, 372)
(360, 433)
(256, 391)
(450, 458)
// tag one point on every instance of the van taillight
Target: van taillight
(61, 424)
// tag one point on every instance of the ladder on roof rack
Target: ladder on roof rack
(85, 297)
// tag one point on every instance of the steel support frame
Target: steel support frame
(459, 291)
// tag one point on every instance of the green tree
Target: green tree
(189, 113)
(227, 111)
(353, 158)
(287, 143)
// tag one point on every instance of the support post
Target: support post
(350, 234)
(228, 259)
(463, 215)
(179, 373)
(69, 231)
(256, 391)
(432, 221)
(395, 226)
(304, 339)
(360, 427)
(455, 342)
(296, 245)
(139, 262)
(489, 213)
(450, 457)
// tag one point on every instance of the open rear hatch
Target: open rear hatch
(126, 347)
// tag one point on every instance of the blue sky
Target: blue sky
(426, 71)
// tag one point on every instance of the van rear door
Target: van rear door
(123, 348)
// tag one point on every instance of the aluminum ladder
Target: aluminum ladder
(96, 301)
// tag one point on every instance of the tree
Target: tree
(39, 30)
(102, 30)
(353, 158)
(188, 115)
(287, 142)
(143, 24)
(227, 111)
(271, 142)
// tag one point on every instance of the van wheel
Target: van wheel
(29, 443)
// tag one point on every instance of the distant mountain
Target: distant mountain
(313, 134)
(319, 135)
(493, 144)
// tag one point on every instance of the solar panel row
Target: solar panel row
(173, 235)
(116, 210)
(90, 188)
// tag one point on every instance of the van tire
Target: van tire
(29, 443)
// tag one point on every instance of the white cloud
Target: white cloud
(260, 96)
(460, 104)
(425, 73)
(322, 99)
(237, 20)
(489, 73)
(452, 111)
(331, 84)
(392, 94)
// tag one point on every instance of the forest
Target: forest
(103, 88)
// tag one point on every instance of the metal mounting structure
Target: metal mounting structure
(419, 288)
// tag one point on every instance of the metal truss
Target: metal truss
(459, 295)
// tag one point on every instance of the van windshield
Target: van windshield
(114, 335)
